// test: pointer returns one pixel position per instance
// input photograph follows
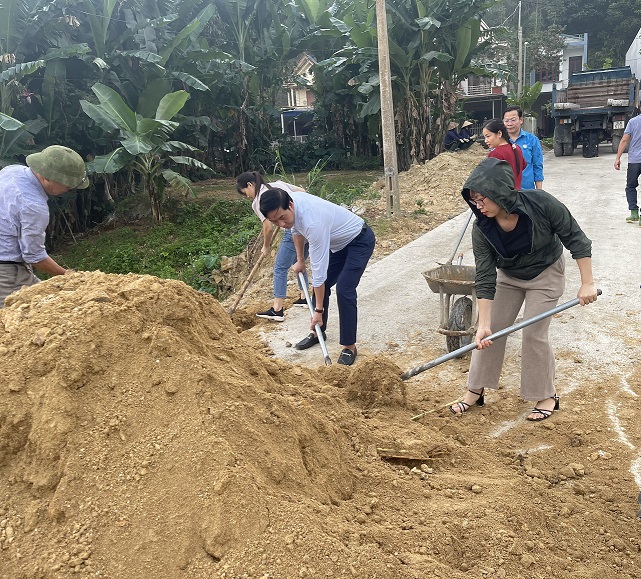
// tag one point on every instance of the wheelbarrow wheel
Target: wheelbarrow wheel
(460, 319)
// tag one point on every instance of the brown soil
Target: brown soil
(141, 435)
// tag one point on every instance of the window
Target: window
(575, 64)
(547, 73)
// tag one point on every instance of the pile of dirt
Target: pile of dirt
(434, 187)
(142, 436)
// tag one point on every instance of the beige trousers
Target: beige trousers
(537, 357)
(13, 277)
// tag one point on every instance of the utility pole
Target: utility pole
(526, 80)
(390, 161)
(519, 72)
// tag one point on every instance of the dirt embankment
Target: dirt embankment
(142, 436)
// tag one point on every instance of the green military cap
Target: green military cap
(61, 165)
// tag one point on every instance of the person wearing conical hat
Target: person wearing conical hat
(24, 213)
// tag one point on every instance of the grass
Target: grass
(196, 233)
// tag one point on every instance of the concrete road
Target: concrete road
(398, 311)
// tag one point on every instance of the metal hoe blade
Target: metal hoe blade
(494, 336)
(321, 340)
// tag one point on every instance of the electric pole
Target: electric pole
(390, 161)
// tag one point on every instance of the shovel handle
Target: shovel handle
(492, 337)
(251, 275)
(319, 334)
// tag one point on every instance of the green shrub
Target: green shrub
(186, 249)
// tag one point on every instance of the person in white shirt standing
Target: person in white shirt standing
(340, 246)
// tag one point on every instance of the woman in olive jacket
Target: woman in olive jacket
(518, 239)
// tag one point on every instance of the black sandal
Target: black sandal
(464, 406)
(542, 413)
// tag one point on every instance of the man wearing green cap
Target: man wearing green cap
(24, 213)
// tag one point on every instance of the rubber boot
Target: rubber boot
(634, 216)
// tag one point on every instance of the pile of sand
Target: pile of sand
(141, 436)
(435, 186)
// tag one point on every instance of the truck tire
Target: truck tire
(616, 141)
(568, 149)
(590, 144)
(558, 149)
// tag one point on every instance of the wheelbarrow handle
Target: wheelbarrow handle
(319, 333)
(460, 237)
(494, 336)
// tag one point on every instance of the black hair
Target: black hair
(514, 108)
(496, 125)
(248, 177)
(275, 198)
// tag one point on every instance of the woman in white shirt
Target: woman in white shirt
(252, 184)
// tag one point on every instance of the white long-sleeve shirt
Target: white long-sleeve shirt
(326, 226)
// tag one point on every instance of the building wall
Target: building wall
(633, 58)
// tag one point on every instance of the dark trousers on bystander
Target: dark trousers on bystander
(632, 182)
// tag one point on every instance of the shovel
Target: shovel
(494, 336)
(251, 275)
(321, 340)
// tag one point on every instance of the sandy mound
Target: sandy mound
(142, 436)
(434, 187)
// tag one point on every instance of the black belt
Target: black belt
(363, 231)
(11, 262)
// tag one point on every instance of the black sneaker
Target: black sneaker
(300, 302)
(270, 314)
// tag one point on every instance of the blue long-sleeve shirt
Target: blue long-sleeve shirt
(533, 155)
(24, 215)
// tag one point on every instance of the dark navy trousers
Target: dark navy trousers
(344, 271)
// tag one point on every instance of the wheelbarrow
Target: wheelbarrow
(458, 315)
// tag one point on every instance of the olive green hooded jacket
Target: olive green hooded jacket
(550, 227)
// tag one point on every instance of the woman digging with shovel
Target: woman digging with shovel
(518, 241)
(251, 184)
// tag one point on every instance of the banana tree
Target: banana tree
(457, 42)
(17, 138)
(145, 142)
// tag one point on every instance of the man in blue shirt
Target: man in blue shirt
(632, 140)
(24, 213)
(530, 147)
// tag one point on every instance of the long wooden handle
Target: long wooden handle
(251, 275)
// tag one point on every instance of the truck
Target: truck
(594, 108)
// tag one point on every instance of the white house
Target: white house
(633, 56)
(296, 117)
(485, 97)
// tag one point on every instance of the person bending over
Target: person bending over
(24, 213)
(340, 245)
(518, 239)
